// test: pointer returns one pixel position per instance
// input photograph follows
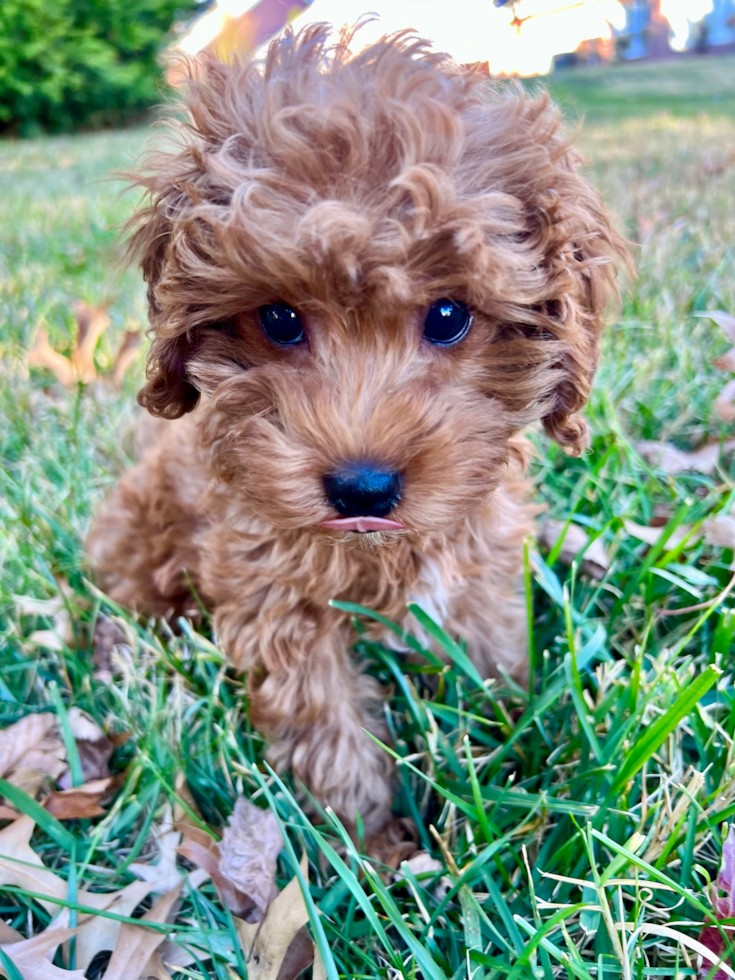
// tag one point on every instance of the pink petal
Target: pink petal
(727, 867)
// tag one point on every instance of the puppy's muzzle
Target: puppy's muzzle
(363, 495)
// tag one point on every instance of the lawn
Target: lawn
(576, 826)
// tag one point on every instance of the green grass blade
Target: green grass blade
(70, 743)
(655, 735)
(10, 969)
(26, 804)
(452, 649)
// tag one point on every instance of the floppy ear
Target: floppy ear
(591, 258)
(541, 254)
(171, 236)
(167, 392)
(583, 254)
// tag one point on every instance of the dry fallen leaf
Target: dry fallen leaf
(650, 535)
(21, 737)
(243, 865)
(79, 366)
(248, 853)
(8, 934)
(30, 956)
(21, 866)
(726, 362)
(720, 531)
(717, 530)
(672, 460)
(136, 944)
(80, 802)
(423, 863)
(169, 955)
(207, 857)
(163, 875)
(594, 562)
(31, 752)
(279, 947)
(98, 933)
(43, 355)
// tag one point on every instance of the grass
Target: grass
(576, 819)
(681, 87)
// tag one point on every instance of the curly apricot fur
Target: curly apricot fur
(358, 188)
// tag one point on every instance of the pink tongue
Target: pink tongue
(362, 524)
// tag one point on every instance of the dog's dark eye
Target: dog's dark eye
(281, 323)
(447, 322)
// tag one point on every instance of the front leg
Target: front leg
(312, 703)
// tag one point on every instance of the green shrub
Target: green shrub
(71, 63)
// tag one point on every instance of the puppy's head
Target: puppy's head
(377, 269)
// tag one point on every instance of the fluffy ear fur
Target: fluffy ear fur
(550, 308)
(583, 251)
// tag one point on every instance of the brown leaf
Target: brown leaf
(126, 355)
(169, 955)
(207, 857)
(651, 534)
(164, 874)
(671, 460)
(726, 362)
(155, 968)
(80, 802)
(92, 321)
(248, 853)
(21, 866)
(31, 752)
(98, 933)
(43, 355)
(299, 955)
(594, 561)
(720, 531)
(9, 935)
(136, 944)
(277, 943)
(30, 956)
(423, 863)
(17, 739)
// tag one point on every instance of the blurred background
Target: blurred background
(66, 64)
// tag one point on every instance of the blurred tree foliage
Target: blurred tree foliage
(81, 63)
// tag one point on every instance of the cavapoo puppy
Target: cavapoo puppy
(367, 273)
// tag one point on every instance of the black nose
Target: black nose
(362, 490)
